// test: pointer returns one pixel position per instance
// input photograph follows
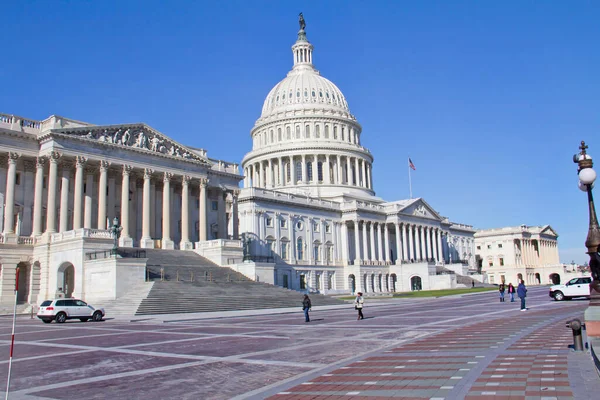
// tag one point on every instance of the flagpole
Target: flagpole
(409, 182)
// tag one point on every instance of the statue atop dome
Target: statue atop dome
(301, 22)
(301, 32)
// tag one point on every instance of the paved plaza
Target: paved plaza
(465, 347)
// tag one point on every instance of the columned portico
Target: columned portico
(146, 242)
(166, 241)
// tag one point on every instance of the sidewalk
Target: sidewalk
(527, 357)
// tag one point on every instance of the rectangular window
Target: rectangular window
(302, 281)
(284, 252)
(215, 205)
(499, 245)
(283, 223)
(501, 261)
(329, 254)
(489, 246)
(316, 253)
(491, 263)
(327, 228)
(478, 247)
(18, 179)
(269, 221)
(316, 226)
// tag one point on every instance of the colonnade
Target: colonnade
(535, 252)
(329, 169)
(83, 205)
(413, 242)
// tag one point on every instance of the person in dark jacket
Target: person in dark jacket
(511, 292)
(306, 305)
(522, 293)
(501, 289)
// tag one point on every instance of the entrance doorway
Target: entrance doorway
(65, 280)
(555, 279)
(352, 283)
(415, 283)
(24, 282)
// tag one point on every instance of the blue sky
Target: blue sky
(489, 99)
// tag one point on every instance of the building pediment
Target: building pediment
(420, 208)
(547, 230)
(135, 136)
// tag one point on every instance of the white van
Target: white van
(576, 287)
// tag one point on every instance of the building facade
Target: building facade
(521, 252)
(62, 182)
(308, 211)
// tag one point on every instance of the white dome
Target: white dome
(302, 88)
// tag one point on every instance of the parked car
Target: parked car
(61, 310)
(576, 287)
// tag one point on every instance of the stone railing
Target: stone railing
(83, 233)
(294, 197)
(231, 243)
(26, 240)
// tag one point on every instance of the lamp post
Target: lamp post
(587, 176)
(115, 229)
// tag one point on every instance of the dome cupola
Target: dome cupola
(306, 140)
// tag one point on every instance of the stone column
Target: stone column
(102, 194)
(427, 231)
(125, 239)
(51, 204)
(398, 249)
(379, 242)
(146, 241)
(9, 210)
(185, 243)
(292, 238)
(166, 241)
(78, 195)
(281, 172)
(357, 243)
(221, 214)
(439, 243)
(405, 255)
(64, 198)
(422, 243)
(386, 247)
(293, 177)
(372, 239)
(338, 167)
(411, 242)
(357, 174)
(364, 174)
(270, 173)
(365, 241)
(344, 242)
(234, 215)
(304, 174)
(348, 171)
(202, 212)
(369, 179)
(38, 201)
(88, 198)
(327, 176)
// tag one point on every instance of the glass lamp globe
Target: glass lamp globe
(583, 187)
(587, 176)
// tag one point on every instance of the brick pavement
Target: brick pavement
(457, 348)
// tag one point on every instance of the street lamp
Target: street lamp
(115, 229)
(587, 176)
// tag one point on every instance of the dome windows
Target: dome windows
(320, 94)
(307, 129)
(314, 94)
(318, 131)
(335, 132)
(288, 132)
(298, 93)
(282, 97)
(305, 93)
(297, 131)
(326, 131)
(279, 134)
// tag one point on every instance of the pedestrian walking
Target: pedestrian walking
(511, 292)
(358, 305)
(472, 284)
(306, 305)
(522, 293)
(501, 289)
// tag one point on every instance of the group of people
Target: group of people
(521, 292)
(358, 305)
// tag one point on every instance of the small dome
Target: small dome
(301, 89)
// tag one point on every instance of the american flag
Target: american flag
(411, 165)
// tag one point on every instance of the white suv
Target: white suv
(576, 287)
(61, 310)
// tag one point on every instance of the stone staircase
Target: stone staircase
(126, 306)
(185, 282)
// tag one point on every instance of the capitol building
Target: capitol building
(306, 218)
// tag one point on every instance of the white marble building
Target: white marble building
(309, 208)
(521, 252)
(63, 181)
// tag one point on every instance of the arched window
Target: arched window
(309, 172)
(279, 134)
(271, 245)
(284, 248)
(318, 131)
(343, 133)
(320, 171)
(326, 131)
(288, 132)
(288, 172)
(307, 127)
(300, 248)
(272, 136)
(297, 131)
(335, 132)
(317, 251)
(298, 171)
